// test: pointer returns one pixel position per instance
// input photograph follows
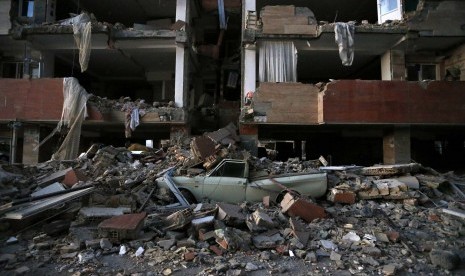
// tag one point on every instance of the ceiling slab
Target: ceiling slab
(129, 12)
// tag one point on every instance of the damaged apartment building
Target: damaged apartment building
(355, 81)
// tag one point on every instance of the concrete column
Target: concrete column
(249, 56)
(47, 64)
(181, 86)
(396, 146)
(393, 65)
(31, 140)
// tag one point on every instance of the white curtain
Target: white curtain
(277, 61)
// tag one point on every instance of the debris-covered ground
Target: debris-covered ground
(104, 214)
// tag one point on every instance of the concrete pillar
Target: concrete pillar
(181, 86)
(396, 146)
(393, 65)
(31, 139)
(249, 57)
(249, 138)
(250, 78)
(47, 63)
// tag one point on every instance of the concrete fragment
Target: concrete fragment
(267, 242)
(106, 244)
(370, 193)
(69, 248)
(205, 236)
(166, 244)
(203, 223)
(259, 221)
(389, 269)
(54, 177)
(92, 244)
(410, 181)
(299, 207)
(299, 231)
(69, 255)
(22, 270)
(372, 251)
(335, 256)
(230, 214)
(445, 259)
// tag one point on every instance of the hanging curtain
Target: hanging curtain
(277, 61)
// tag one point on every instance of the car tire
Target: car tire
(188, 196)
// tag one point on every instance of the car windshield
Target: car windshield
(230, 169)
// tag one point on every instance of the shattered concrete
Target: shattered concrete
(373, 220)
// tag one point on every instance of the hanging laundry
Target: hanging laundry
(344, 36)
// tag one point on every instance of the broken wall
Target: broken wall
(31, 99)
(397, 102)
(295, 103)
(439, 18)
(457, 60)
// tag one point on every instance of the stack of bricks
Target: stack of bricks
(287, 102)
(284, 20)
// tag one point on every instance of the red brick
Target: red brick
(189, 256)
(347, 197)
(282, 249)
(215, 249)
(393, 236)
(298, 207)
(222, 242)
(74, 176)
(434, 217)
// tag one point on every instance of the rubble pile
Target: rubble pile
(104, 213)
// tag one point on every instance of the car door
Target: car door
(227, 183)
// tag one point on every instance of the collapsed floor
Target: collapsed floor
(103, 213)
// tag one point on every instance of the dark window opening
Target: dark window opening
(230, 170)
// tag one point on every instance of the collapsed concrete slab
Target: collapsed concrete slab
(124, 227)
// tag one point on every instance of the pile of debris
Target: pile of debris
(104, 213)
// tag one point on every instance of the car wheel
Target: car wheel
(188, 196)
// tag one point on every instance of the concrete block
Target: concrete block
(230, 214)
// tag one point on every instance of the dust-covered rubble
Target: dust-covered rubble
(401, 219)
